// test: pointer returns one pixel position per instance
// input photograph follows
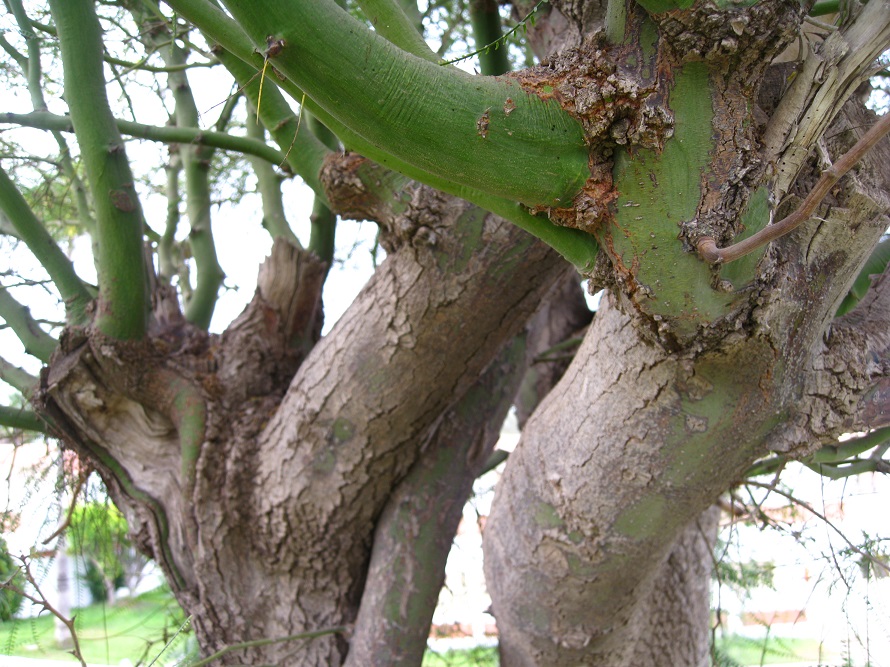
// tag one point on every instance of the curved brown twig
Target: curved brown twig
(707, 247)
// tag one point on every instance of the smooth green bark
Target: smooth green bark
(301, 151)
(196, 169)
(45, 249)
(577, 247)
(390, 20)
(439, 119)
(123, 295)
(17, 377)
(37, 342)
(269, 188)
(485, 19)
(21, 418)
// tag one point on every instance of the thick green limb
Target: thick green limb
(21, 418)
(123, 295)
(577, 247)
(485, 19)
(189, 136)
(37, 342)
(390, 20)
(474, 131)
(46, 250)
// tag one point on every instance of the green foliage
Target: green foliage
(98, 533)
(10, 601)
(742, 577)
(96, 583)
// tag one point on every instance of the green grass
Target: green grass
(749, 651)
(135, 628)
(481, 656)
(138, 629)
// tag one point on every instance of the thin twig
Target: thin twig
(809, 508)
(274, 640)
(42, 601)
(81, 481)
(707, 247)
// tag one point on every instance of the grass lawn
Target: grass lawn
(137, 630)
(482, 656)
(132, 629)
(748, 651)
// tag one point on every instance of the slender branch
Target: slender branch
(269, 188)
(82, 478)
(809, 508)
(323, 224)
(391, 21)
(833, 455)
(143, 65)
(337, 629)
(20, 59)
(196, 167)
(32, 70)
(123, 296)
(46, 250)
(707, 247)
(36, 341)
(21, 418)
(17, 377)
(305, 154)
(167, 265)
(485, 19)
(40, 599)
(167, 134)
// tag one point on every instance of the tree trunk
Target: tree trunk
(303, 491)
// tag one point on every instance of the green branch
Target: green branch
(196, 167)
(166, 134)
(45, 249)
(576, 246)
(485, 19)
(21, 418)
(32, 69)
(302, 151)
(37, 342)
(323, 223)
(123, 296)
(473, 131)
(269, 188)
(17, 377)
(144, 67)
(391, 21)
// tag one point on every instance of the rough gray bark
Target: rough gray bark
(273, 535)
(637, 441)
